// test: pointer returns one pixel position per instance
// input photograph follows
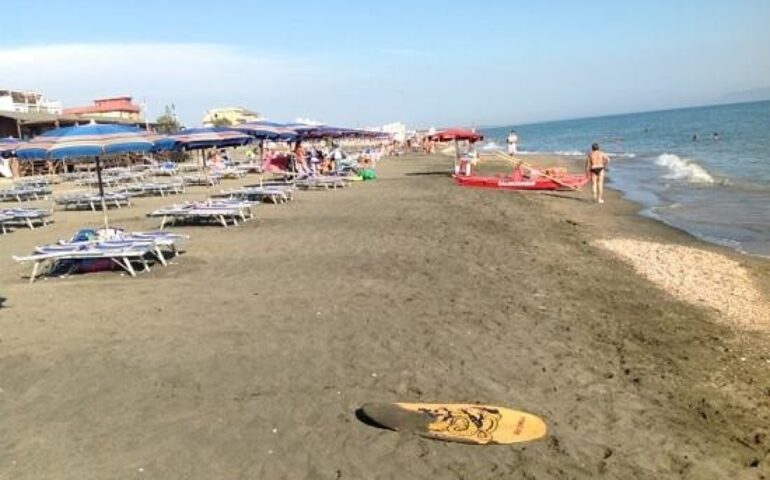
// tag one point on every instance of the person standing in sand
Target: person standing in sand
(513, 143)
(596, 165)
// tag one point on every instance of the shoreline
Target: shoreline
(249, 355)
(629, 221)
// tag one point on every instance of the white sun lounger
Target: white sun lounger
(93, 201)
(275, 194)
(223, 212)
(324, 182)
(29, 217)
(156, 188)
(25, 193)
(202, 180)
(136, 247)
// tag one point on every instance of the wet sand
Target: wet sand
(248, 357)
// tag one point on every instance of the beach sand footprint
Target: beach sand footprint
(698, 277)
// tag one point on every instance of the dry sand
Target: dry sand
(248, 357)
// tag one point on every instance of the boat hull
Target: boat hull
(567, 182)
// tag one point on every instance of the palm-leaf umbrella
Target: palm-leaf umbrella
(91, 141)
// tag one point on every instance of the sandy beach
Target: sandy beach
(249, 355)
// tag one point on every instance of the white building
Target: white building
(28, 102)
(396, 129)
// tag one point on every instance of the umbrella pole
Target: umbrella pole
(457, 155)
(101, 191)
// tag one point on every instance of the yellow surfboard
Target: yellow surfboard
(466, 423)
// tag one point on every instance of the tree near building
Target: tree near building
(218, 121)
(168, 123)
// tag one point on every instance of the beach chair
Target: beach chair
(222, 212)
(119, 248)
(92, 201)
(28, 217)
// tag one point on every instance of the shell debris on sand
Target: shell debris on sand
(698, 277)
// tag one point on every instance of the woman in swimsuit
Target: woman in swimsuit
(596, 163)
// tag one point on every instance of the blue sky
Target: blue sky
(421, 62)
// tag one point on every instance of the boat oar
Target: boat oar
(540, 172)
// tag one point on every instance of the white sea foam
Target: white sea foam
(683, 169)
(491, 147)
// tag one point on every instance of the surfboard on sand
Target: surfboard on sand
(466, 423)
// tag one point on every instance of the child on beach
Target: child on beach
(596, 164)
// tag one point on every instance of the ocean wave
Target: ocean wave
(683, 169)
(563, 153)
(491, 147)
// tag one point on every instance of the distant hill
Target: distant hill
(753, 95)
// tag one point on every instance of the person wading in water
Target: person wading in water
(596, 165)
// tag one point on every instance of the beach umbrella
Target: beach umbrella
(209, 137)
(8, 146)
(89, 141)
(264, 130)
(457, 134)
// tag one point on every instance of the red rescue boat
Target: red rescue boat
(517, 180)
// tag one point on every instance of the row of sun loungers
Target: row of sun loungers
(223, 212)
(27, 217)
(119, 248)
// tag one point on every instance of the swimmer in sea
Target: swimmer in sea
(596, 164)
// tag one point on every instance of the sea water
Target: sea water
(705, 170)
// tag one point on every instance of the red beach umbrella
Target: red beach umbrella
(459, 134)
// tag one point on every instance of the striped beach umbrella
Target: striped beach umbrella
(209, 137)
(89, 141)
(264, 130)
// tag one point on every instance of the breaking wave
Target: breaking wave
(491, 147)
(683, 169)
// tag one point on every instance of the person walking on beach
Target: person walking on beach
(513, 143)
(596, 165)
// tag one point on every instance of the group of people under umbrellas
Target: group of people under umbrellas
(94, 141)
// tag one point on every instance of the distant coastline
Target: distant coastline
(617, 115)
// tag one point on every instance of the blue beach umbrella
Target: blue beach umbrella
(91, 141)
(264, 130)
(209, 137)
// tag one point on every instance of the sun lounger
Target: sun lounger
(5, 220)
(321, 182)
(230, 173)
(156, 188)
(92, 201)
(223, 212)
(28, 217)
(123, 250)
(202, 180)
(24, 193)
(275, 194)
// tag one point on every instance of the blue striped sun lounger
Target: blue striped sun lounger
(24, 193)
(92, 201)
(28, 217)
(124, 251)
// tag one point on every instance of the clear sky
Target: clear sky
(426, 62)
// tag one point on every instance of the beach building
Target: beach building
(112, 108)
(27, 102)
(25, 114)
(229, 116)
